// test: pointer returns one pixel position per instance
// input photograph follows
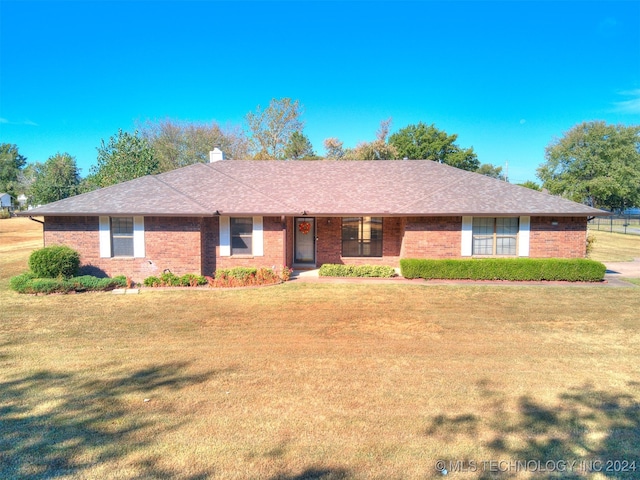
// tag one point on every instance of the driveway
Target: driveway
(624, 269)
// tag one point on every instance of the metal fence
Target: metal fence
(629, 224)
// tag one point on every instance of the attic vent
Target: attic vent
(216, 154)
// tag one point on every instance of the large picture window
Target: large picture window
(241, 236)
(495, 236)
(362, 237)
(122, 236)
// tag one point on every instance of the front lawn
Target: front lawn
(309, 381)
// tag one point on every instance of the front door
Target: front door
(305, 241)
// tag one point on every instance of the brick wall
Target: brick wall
(274, 254)
(329, 244)
(567, 239)
(432, 237)
(170, 243)
(191, 245)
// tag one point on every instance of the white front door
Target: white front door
(305, 241)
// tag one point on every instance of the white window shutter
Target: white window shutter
(523, 236)
(138, 237)
(467, 237)
(225, 237)
(258, 237)
(104, 234)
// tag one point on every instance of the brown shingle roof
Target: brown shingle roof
(412, 187)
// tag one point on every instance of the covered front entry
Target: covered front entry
(305, 241)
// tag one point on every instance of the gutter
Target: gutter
(34, 220)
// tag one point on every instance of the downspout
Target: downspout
(41, 222)
(283, 219)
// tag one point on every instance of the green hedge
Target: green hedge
(53, 262)
(514, 269)
(30, 283)
(336, 270)
(169, 279)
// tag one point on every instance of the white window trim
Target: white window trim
(257, 237)
(225, 236)
(467, 237)
(524, 229)
(523, 236)
(104, 235)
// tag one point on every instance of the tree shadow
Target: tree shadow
(315, 474)
(55, 424)
(592, 431)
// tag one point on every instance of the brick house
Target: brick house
(303, 214)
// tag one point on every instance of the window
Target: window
(495, 236)
(362, 237)
(241, 236)
(122, 236)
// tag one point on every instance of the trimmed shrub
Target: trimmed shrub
(30, 283)
(53, 262)
(247, 277)
(513, 269)
(192, 280)
(88, 283)
(239, 273)
(169, 279)
(336, 270)
(19, 283)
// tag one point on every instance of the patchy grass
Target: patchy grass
(330, 381)
(615, 247)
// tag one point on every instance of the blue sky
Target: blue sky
(508, 77)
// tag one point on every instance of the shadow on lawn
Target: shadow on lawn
(316, 474)
(54, 424)
(598, 430)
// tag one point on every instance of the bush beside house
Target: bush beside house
(54, 269)
(513, 269)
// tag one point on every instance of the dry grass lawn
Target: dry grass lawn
(615, 247)
(310, 381)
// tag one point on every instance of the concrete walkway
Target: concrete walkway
(616, 271)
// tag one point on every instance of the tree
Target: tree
(530, 184)
(379, 149)
(426, 142)
(125, 157)
(299, 148)
(177, 144)
(11, 164)
(333, 149)
(271, 128)
(55, 179)
(491, 171)
(595, 163)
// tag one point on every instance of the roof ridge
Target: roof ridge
(277, 200)
(436, 190)
(189, 197)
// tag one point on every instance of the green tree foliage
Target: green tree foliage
(379, 149)
(531, 184)
(491, 171)
(177, 144)
(333, 149)
(125, 157)
(595, 163)
(299, 148)
(11, 164)
(55, 179)
(426, 142)
(272, 127)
